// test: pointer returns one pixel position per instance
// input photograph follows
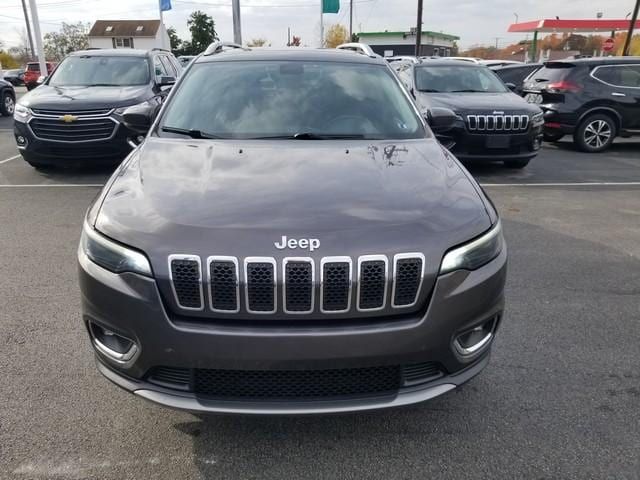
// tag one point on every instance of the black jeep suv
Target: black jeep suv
(75, 116)
(494, 123)
(593, 99)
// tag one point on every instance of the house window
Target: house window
(123, 42)
(139, 28)
(109, 28)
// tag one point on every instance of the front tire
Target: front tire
(7, 104)
(517, 163)
(595, 134)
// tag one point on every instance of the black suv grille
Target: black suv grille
(78, 131)
(336, 286)
(373, 284)
(295, 384)
(408, 278)
(185, 274)
(223, 285)
(260, 287)
(299, 286)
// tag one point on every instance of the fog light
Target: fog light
(21, 141)
(112, 345)
(475, 340)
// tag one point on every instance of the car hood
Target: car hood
(507, 102)
(84, 98)
(237, 198)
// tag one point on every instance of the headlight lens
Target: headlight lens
(120, 111)
(474, 254)
(21, 113)
(538, 119)
(112, 256)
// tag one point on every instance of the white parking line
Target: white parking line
(9, 159)
(574, 184)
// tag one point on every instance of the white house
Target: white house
(404, 43)
(142, 34)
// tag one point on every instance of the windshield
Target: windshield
(453, 78)
(101, 71)
(304, 100)
(552, 73)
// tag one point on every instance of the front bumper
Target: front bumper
(60, 153)
(484, 146)
(130, 305)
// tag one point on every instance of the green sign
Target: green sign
(330, 6)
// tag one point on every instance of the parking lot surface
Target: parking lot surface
(560, 398)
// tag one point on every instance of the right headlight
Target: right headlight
(111, 255)
(476, 253)
(21, 113)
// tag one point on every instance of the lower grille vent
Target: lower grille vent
(176, 378)
(420, 373)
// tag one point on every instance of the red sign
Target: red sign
(607, 46)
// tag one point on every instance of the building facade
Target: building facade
(389, 44)
(142, 34)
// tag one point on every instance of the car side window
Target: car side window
(171, 71)
(158, 67)
(619, 75)
(630, 76)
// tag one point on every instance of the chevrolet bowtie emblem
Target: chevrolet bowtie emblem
(68, 118)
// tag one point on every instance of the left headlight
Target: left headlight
(476, 253)
(119, 111)
(111, 255)
(537, 120)
(21, 113)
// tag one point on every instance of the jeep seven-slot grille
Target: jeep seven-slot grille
(227, 285)
(186, 277)
(498, 123)
(295, 384)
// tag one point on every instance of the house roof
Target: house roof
(428, 33)
(125, 28)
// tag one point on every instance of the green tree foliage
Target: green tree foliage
(72, 37)
(174, 40)
(203, 31)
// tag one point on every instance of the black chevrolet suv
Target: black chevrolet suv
(494, 123)
(75, 116)
(593, 99)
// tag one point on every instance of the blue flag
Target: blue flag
(165, 5)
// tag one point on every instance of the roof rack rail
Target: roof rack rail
(361, 48)
(161, 49)
(219, 47)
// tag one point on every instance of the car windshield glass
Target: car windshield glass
(87, 70)
(454, 78)
(33, 67)
(552, 73)
(291, 99)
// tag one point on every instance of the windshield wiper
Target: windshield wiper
(428, 90)
(469, 90)
(190, 132)
(314, 136)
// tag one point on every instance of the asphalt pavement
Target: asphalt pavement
(560, 398)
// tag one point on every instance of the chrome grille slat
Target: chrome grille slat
(336, 280)
(497, 123)
(260, 285)
(372, 282)
(298, 276)
(224, 287)
(92, 113)
(408, 274)
(185, 272)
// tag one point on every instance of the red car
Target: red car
(32, 73)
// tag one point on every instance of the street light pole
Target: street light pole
(38, 36)
(350, 20)
(634, 19)
(26, 21)
(237, 28)
(516, 15)
(419, 29)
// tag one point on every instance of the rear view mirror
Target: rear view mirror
(511, 86)
(166, 81)
(441, 119)
(139, 117)
(41, 79)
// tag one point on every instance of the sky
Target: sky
(476, 22)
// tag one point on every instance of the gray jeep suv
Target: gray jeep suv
(290, 238)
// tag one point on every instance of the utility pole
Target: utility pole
(237, 28)
(350, 20)
(26, 21)
(634, 19)
(38, 36)
(497, 39)
(321, 23)
(419, 29)
(289, 37)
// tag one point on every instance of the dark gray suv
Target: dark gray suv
(290, 238)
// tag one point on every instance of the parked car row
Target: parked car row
(7, 98)
(75, 116)
(14, 77)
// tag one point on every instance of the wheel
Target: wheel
(595, 134)
(552, 137)
(517, 163)
(7, 105)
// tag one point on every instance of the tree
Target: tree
(174, 40)
(257, 42)
(72, 37)
(21, 52)
(336, 35)
(295, 41)
(203, 31)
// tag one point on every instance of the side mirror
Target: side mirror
(166, 81)
(41, 79)
(441, 119)
(139, 117)
(511, 86)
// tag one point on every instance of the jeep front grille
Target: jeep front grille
(498, 123)
(368, 283)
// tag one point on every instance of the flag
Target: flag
(330, 6)
(165, 5)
